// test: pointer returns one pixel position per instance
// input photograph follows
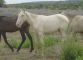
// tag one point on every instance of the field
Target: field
(53, 45)
(24, 54)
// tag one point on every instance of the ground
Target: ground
(24, 54)
(51, 53)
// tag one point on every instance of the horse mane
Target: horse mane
(31, 15)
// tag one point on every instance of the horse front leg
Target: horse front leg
(23, 40)
(63, 34)
(5, 39)
(41, 43)
(35, 42)
(31, 41)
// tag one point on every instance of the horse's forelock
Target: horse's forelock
(23, 11)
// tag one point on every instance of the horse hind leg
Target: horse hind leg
(5, 39)
(23, 40)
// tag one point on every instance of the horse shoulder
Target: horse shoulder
(37, 23)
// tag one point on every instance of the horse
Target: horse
(76, 24)
(8, 24)
(43, 24)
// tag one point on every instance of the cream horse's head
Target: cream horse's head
(21, 18)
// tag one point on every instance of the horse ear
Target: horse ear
(25, 9)
(20, 9)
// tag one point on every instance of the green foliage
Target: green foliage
(71, 51)
(49, 41)
(79, 58)
(2, 3)
(51, 5)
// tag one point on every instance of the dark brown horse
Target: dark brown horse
(8, 24)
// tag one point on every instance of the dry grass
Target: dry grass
(51, 53)
(24, 54)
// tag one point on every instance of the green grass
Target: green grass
(71, 50)
(48, 40)
(15, 43)
(79, 58)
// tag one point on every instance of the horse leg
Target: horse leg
(5, 39)
(63, 34)
(41, 43)
(31, 41)
(35, 44)
(75, 36)
(23, 40)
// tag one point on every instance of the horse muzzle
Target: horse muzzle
(18, 25)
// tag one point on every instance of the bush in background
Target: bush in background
(72, 51)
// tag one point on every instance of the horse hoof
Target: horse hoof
(12, 50)
(31, 49)
(17, 51)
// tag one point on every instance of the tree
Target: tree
(2, 3)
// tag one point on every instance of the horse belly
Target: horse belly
(51, 27)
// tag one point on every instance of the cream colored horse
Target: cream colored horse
(42, 24)
(77, 24)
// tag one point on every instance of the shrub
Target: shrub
(49, 41)
(80, 58)
(71, 50)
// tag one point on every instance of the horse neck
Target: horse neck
(31, 18)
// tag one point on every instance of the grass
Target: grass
(79, 58)
(49, 41)
(72, 50)
(15, 43)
